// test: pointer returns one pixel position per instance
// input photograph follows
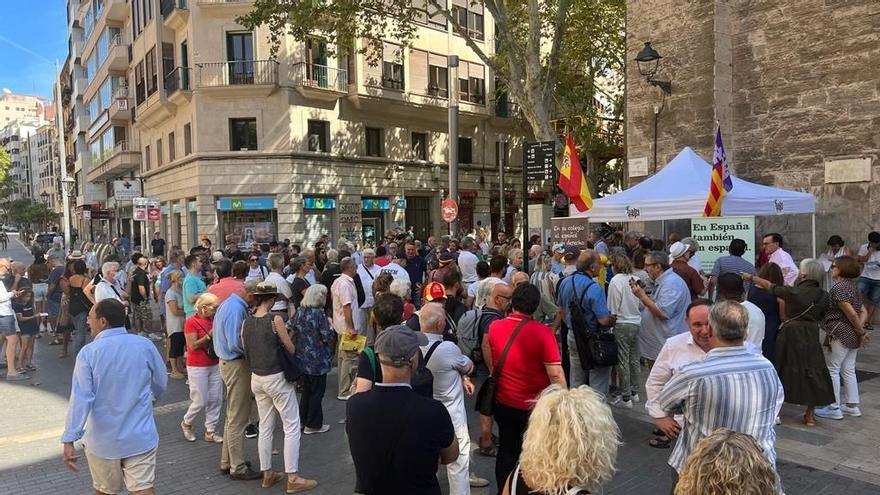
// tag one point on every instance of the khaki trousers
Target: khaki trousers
(348, 365)
(237, 378)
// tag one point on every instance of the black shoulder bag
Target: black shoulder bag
(596, 347)
(485, 403)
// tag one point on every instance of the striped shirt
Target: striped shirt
(731, 388)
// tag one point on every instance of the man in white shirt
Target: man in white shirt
(467, 262)
(397, 267)
(772, 245)
(256, 271)
(282, 307)
(678, 351)
(367, 271)
(344, 296)
(730, 289)
(106, 288)
(869, 282)
(451, 381)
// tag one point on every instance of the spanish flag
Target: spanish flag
(720, 182)
(571, 177)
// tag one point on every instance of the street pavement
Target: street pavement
(833, 458)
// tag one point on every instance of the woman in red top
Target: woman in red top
(205, 383)
(532, 363)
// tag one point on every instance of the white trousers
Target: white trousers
(206, 392)
(841, 362)
(274, 393)
(458, 472)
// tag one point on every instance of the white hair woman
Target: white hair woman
(205, 383)
(314, 342)
(799, 358)
(569, 446)
(401, 288)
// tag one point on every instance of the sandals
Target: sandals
(659, 442)
(490, 451)
(809, 422)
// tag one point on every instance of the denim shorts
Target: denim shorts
(870, 289)
(7, 325)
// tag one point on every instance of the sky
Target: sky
(33, 34)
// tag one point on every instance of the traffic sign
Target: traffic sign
(539, 160)
(449, 210)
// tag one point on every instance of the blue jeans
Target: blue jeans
(598, 379)
(870, 288)
(81, 331)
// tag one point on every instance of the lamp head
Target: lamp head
(648, 60)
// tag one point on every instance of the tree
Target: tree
(5, 162)
(550, 54)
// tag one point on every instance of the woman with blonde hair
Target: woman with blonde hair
(203, 370)
(569, 447)
(623, 304)
(727, 462)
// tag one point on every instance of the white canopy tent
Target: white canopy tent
(679, 191)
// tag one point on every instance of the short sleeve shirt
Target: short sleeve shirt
(139, 279)
(872, 265)
(192, 285)
(344, 293)
(55, 280)
(199, 327)
(573, 287)
(523, 375)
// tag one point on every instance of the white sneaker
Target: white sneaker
(477, 482)
(155, 338)
(634, 397)
(343, 397)
(778, 420)
(624, 404)
(829, 412)
(312, 431)
(187, 432)
(851, 411)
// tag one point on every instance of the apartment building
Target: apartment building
(13, 139)
(239, 146)
(40, 149)
(17, 107)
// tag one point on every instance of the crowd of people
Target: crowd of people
(550, 337)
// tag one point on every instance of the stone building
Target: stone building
(237, 145)
(795, 85)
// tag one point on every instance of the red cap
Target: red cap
(434, 291)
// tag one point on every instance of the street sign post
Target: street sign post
(539, 163)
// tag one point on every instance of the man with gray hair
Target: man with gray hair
(345, 318)
(367, 272)
(282, 306)
(665, 310)
(731, 388)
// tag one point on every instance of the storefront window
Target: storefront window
(319, 214)
(247, 227)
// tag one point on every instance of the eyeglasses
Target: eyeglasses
(253, 259)
(651, 264)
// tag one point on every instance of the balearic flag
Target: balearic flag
(571, 177)
(720, 182)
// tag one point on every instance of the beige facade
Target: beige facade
(16, 107)
(237, 145)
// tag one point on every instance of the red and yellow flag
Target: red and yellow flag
(720, 182)
(571, 177)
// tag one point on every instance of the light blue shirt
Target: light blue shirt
(227, 327)
(672, 296)
(115, 379)
(193, 285)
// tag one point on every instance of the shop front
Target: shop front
(246, 220)
(374, 215)
(319, 215)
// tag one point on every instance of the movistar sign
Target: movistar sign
(246, 204)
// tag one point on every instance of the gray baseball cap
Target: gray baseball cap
(397, 344)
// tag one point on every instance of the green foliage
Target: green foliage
(25, 212)
(5, 162)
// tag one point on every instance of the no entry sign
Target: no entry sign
(449, 210)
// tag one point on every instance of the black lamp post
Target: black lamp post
(648, 61)
(45, 197)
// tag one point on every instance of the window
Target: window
(242, 134)
(471, 85)
(469, 17)
(159, 152)
(392, 75)
(187, 139)
(375, 141)
(319, 135)
(438, 81)
(465, 150)
(436, 18)
(147, 157)
(139, 85)
(167, 59)
(172, 153)
(420, 146)
(151, 71)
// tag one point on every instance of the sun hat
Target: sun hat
(265, 288)
(76, 255)
(677, 249)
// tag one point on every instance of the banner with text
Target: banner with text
(715, 233)
(570, 231)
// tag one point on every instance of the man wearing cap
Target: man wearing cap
(680, 253)
(344, 294)
(556, 265)
(447, 263)
(569, 259)
(434, 292)
(396, 436)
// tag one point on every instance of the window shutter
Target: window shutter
(418, 71)
(372, 73)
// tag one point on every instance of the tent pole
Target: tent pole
(813, 222)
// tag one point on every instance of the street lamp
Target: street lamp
(45, 197)
(649, 61)
(68, 184)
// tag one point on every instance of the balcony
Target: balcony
(76, 47)
(116, 10)
(239, 78)
(177, 87)
(120, 107)
(81, 123)
(79, 83)
(175, 13)
(223, 8)
(122, 161)
(319, 81)
(117, 59)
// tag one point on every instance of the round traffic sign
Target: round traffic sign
(449, 210)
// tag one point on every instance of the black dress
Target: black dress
(768, 305)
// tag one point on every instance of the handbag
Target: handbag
(485, 403)
(596, 348)
(353, 343)
(209, 347)
(290, 364)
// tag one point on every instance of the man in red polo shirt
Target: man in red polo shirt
(226, 283)
(532, 363)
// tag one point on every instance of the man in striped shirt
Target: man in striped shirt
(731, 388)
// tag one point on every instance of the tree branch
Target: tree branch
(467, 38)
(553, 59)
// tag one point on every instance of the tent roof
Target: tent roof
(679, 190)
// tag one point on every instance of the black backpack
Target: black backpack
(596, 347)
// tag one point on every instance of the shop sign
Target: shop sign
(570, 231)
(376, 204)
(319, 203)
(175, 208)
(126, 190)
(192, 206)
(154, 214)
(449, 210)
(139, 209)
(246, 204)
(714, 234)
(87, 214)
(401, 203)
(101, 214)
